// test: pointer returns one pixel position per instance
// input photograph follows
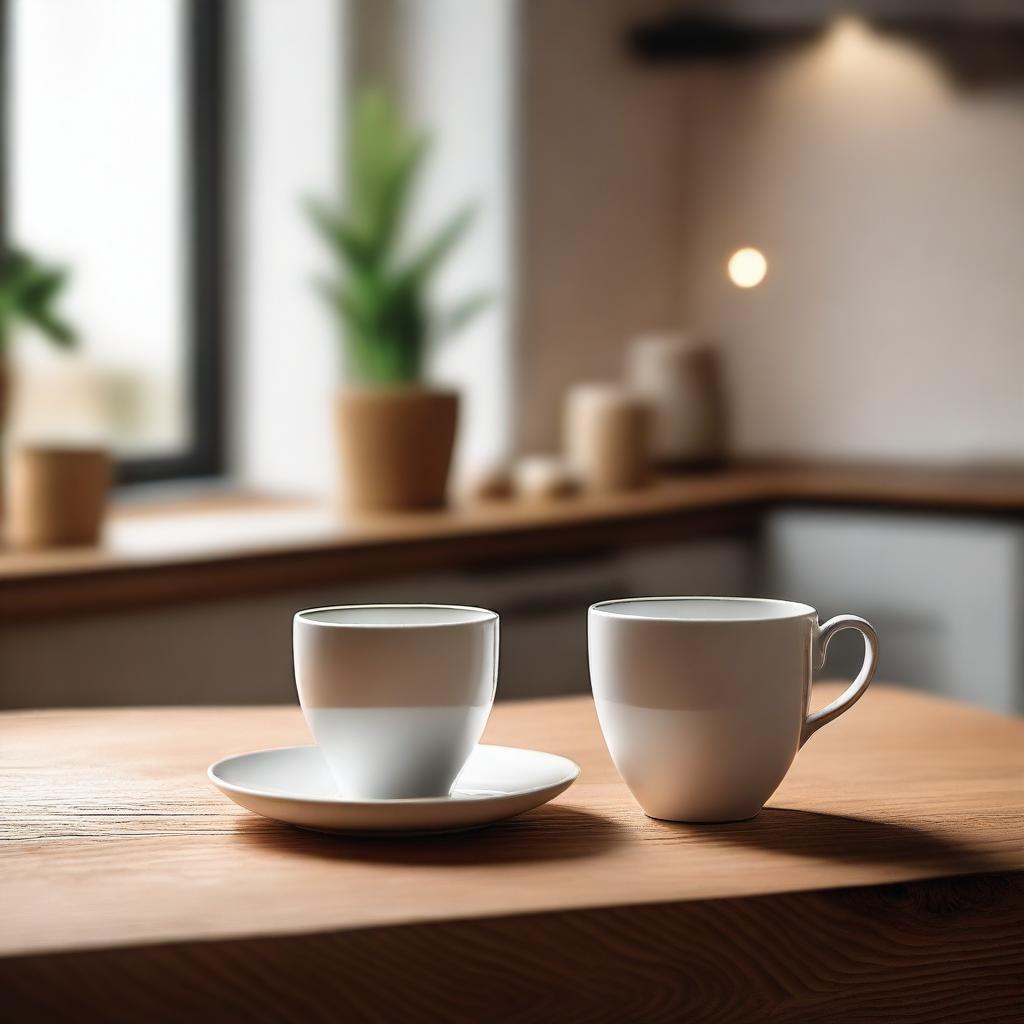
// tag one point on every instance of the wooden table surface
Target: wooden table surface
(884, 871)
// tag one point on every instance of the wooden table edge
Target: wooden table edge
(885, 941)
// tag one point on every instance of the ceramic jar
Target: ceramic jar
(681, 378)
(607, 430)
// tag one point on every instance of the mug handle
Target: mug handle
(853, 693)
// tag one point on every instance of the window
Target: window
(113, 167)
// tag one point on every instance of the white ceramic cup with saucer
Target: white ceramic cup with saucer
(396, 695)
(704, 701)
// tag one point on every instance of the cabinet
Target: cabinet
(944, 593)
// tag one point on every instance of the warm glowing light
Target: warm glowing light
(873, 69)
(747, 268)
(851, 42)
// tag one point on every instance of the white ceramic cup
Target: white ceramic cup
(396, 695)
(704, 701)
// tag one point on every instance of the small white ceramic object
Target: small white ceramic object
(703, 701)
(494, 483)
(396, 695)
(294, 785)
(542, 478)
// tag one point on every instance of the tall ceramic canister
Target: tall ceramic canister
(607, 437)
(680, 376)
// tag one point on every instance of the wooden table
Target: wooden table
(881, 884)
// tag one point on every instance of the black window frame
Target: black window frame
(204, 80)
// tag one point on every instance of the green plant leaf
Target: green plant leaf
(379, 296)
(341, 301)
(28, 291)
(462, 314)
(433, 253)
(345, 242)
(376, 137)
(58, 331)
(395, 194)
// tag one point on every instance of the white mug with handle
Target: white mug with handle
(704, 701)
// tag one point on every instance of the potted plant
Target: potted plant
(395, 432)
(28, 291)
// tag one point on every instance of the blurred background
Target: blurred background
(795, 227)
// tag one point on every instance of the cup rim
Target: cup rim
(482, 615)
(797, 609)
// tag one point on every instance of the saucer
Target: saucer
(293, 785)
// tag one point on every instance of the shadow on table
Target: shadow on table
(553, 832)
(847, 839)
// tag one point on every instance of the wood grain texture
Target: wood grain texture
(190, 552)
(949, 950)
(131, 888)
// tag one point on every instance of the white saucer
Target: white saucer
(293, 785)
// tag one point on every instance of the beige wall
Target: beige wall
(888, 201)
(598, 198)
(887, 198)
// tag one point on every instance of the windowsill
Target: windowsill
(202, 543)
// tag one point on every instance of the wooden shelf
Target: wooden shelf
(882, 881)
(187, 552)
